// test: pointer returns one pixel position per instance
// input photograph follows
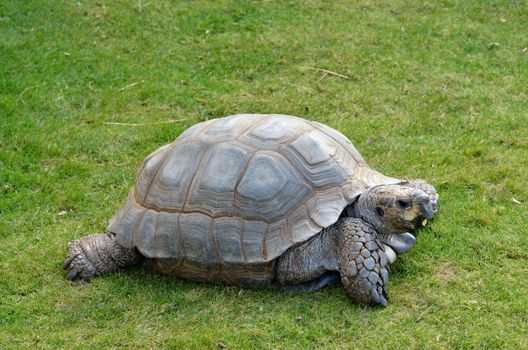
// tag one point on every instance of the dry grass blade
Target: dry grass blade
(326, 71)
(420, 317)
(170, 121)
(130, 85)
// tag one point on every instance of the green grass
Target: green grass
(437, 90)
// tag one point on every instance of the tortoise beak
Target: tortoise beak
(427, 211)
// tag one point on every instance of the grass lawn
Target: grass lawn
(435, 90)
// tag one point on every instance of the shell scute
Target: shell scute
(195, 229)
(228, 128)
(269, 188)
(164, 241)
(144, 231)
(277, 241)
(254, 232)
(149, 169)
(170, 185)
(314, 158)
(301, 225)
(274, 131)
(326, 206)
(213, 190)
(228, 231)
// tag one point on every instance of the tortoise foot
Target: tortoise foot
(77, 263)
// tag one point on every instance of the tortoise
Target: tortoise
(262, 201)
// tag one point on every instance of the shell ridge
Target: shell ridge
(215, 246)
(193, 179)
(257, 120)
(155, 175)
(137, 226)
(242, 173)
(242, 249)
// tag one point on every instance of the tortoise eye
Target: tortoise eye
(380, 211)
(403, 203)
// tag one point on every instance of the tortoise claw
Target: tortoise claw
(67, 262)
(80, 269)
(73, 273)
(378, 298)
(86, 278)
(78, 264)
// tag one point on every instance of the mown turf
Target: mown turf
(437, 90)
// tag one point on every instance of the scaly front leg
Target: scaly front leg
(363, 264)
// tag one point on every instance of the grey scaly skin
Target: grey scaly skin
(352, 248)
(359, 247)
(96, 255)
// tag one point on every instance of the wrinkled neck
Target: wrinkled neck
(364, 208)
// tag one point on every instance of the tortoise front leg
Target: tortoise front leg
(363, 264)
(96, 255)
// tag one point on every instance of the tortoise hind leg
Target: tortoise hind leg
(362, 262)
(309, 266)
(313, 285)
(96, 255)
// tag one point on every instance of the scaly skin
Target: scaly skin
(363, 265)
(350, 246)
(97, 254)
(309, 260)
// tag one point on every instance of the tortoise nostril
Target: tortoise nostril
(423, 198)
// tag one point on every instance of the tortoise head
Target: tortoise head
(394, 209)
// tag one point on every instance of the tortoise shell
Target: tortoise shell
(241, 190)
